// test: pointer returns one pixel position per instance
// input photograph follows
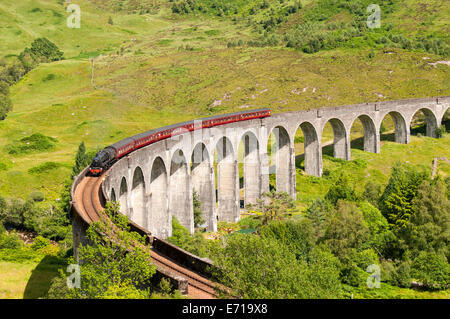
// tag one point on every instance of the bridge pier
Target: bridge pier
(203, 182)
(252, 170)
(180, 193)
(228, 191)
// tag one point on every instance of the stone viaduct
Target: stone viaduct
(155, 183)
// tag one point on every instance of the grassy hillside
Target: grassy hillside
(154, 67)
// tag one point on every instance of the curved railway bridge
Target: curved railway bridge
(187, 272)
(156, 182)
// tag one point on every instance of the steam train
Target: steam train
(111, 154)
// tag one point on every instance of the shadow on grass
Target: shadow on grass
(421, 129)
(41, 277)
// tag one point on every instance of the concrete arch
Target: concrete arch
(283, 159)
(159, 221)
(313, 152)
(401, 129)
(371, 135)
(123, 197)
(180, 192)
(112, 196)
(252, 168)
(227, 181)
(138, 200)
(203, 182)
(431, 121)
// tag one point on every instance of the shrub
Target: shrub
(36, 142)
(354, 265)
(44, 167)
(14, 215)
(37, 196)
(440, 131)
(195, 244)
(10, 241)
(40, 242)
(387, 271)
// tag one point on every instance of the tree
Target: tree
(372, 192)
(429, 226)
(273, 206)
(3, 209)
(341, 190)
(198, 214)
(42, 51)
(396, 202)
(318, 213)
(81, 160)
(4, 88)
(297, 235)
(431, 269)
(345, 229)
(380, 237)
(116, 262)
(5, 105)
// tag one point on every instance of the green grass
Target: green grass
(158, 69)
(391, 292)
(27, 274)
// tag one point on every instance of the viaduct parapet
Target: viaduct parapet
(157, 182)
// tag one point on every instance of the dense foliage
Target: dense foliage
(315, 27)
(116, 264)
(327, 253)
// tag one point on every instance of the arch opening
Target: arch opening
(334, 139)
(307, 149)
(112, 196)
(393, 128)
(424, 122)
(279, 152)
(363, 135)
(123, 197)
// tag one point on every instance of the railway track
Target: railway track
(88, 206)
